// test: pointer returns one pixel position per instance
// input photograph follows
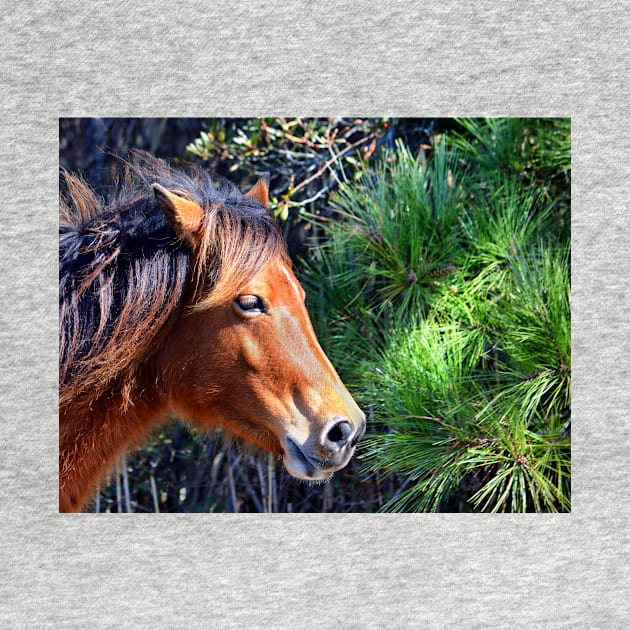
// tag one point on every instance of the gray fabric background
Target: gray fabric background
(307, 58)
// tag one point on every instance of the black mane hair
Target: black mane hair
(124, 275)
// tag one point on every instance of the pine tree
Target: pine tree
(443, 296)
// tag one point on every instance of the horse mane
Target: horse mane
(125, 276)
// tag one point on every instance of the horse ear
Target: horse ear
(185, 216)
(260, 190)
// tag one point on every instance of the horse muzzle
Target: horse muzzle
(329, 452)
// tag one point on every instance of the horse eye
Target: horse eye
(250, 304)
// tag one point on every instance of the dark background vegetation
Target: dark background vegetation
(329, 176)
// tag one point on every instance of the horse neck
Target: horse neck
(91, 442)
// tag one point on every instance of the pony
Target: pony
(177, 299)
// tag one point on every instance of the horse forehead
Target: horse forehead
(293, 282)
(285, 281)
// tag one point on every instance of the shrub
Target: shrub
(443, 297)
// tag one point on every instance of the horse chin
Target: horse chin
(303, 466)
(300, 472)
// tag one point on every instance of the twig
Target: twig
(233, 497)
(327, 164)
(154, 494)
(125, 478)
(261, 482)
(118, 493)
(250, 490)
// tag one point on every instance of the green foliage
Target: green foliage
(534, 153)
(443, 297)
(399, 241)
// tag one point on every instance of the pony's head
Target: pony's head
(244, 354)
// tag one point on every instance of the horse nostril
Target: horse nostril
(339, 434)
(359, 434)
